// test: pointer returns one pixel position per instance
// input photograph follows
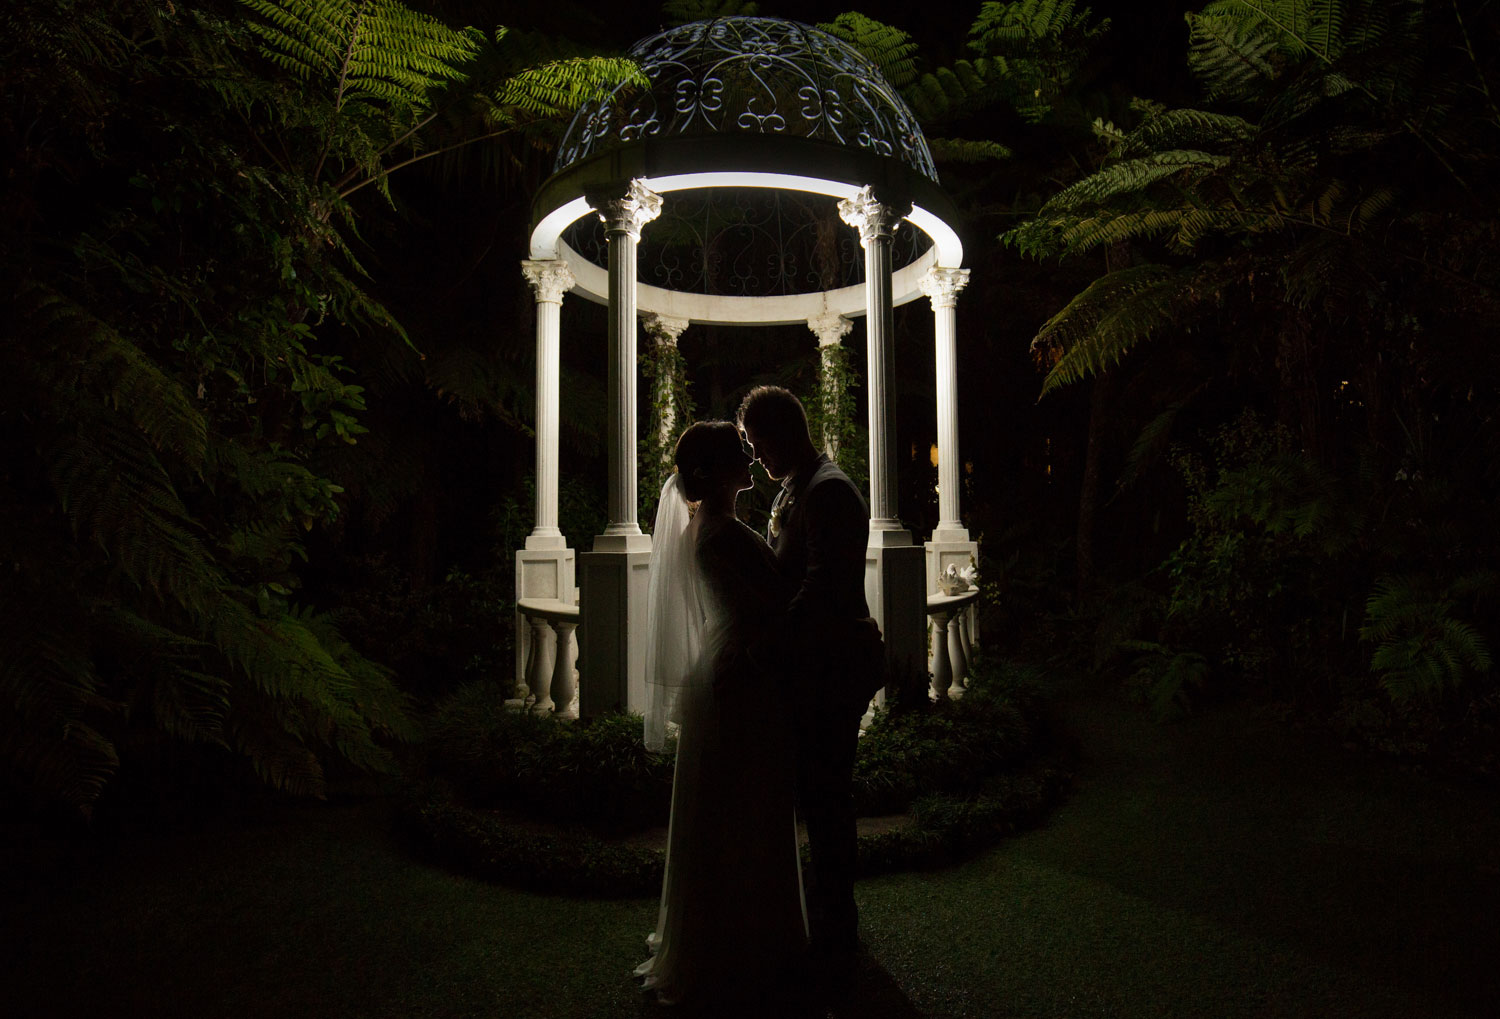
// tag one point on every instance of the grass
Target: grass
(1214, 868)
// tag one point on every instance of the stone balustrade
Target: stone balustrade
(951, 646)
(550, 680)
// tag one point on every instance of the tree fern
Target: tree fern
(89, 354)
(1299, 27)
(363, 50)
(1116, 313)
(375, 75)
(1422, 648)
(963, 150)
(957, 90)
(892, 49)
(680, 12)
(1186, 129)
(1014, 25)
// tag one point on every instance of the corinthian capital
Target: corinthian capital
(871, 216)
(663, 328)
(829, 327)
(942, 285)
(627, 214)
(550, 278)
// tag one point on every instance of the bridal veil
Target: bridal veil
(675, 614)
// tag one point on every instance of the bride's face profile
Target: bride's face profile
(736, 467)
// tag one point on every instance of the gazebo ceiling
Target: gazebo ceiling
(747, 103)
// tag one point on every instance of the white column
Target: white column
(549, 279)
(613, 578)
(830, 328)
(893, 566)
(876, 220)
(623, 217)
(666, 331)
(942, 285)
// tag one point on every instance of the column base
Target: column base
(624, 541)
(946, 533)
(889, 537)
(545, 540)
(612, 593)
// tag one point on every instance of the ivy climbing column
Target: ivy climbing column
(670, 406)
(613, 577)
(830, 329)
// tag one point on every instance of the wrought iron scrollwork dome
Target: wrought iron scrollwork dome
(752, 76)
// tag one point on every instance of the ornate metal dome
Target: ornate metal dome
(752, 76)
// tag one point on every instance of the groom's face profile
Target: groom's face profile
(765, 450)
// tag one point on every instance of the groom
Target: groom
(819, 528)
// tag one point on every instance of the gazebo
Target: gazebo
(791, 123)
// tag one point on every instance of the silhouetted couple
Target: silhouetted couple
(763, 656)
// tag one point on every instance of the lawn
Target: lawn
(1213, 868)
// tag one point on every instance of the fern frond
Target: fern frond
(1127, 307)
(1201, 130)
(49, 739)
(1021, 22)
(1233, 60)
(680, 12)
(1423, 649)
(363, 50)
(1133, 175)
(955, 91)
(117, 494)
(561, 86)
(1112, 316)
(963, 150)
(1153, 439)
(87, 353)
(891, 49)
(1301, 27)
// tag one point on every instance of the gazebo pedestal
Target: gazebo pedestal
(612, 591)
(897, 600)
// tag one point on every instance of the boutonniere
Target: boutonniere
(777, 512)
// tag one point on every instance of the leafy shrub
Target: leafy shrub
(595, 772)
(1422, 648)
(945, 746)
(968, 772)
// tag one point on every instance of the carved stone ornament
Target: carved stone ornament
(829, 328)
(639, 206)
(942, 285)
(663, 329)
(550, 278)
(873, 218)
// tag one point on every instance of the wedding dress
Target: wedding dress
(732, 916)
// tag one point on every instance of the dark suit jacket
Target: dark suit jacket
(824, 527)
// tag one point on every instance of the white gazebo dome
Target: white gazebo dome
(752, 76)
(739, 103)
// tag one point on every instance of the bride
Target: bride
(732, 917)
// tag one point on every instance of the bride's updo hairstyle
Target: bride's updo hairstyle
(707, 453)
